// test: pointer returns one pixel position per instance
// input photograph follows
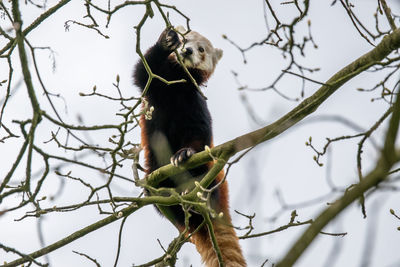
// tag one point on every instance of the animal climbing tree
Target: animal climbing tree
(54, 166)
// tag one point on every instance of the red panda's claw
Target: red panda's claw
(181, 156)
(169, 40)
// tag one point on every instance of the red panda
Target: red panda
(180, 126)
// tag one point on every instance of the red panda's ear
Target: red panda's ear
(218, 53)
(180, 29)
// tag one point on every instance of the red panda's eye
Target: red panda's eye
(201, 49)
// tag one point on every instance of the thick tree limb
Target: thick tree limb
(388, 44)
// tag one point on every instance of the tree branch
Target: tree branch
(34, 24)
(388, 158)
(388, 44)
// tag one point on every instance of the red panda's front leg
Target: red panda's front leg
(157, 58)
(169, 40)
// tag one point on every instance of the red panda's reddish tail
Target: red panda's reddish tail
(226, 237)
(227, 243)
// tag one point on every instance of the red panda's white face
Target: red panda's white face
(198, 52)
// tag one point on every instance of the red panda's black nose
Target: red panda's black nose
(188, 51)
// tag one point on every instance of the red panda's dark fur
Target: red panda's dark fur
(181, 120)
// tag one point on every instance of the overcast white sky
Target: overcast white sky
(84, 59)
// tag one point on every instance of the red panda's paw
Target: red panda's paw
(182, 155)
(169, 40)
